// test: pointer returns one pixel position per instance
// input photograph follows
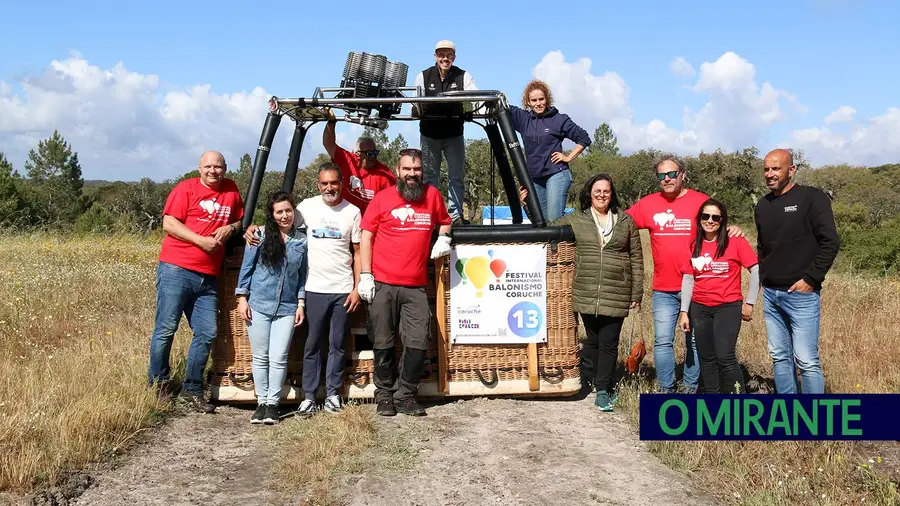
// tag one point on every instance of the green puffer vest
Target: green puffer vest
(607, 280)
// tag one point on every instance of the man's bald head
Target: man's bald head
(212, 167)
(778, 167)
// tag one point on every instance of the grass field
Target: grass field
(76, 315)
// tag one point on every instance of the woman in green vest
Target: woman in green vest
(609, 279)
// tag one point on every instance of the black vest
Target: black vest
(442, 128)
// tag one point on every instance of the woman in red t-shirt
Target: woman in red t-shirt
(711, 297)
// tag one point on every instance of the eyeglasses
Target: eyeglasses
(411, 152)
(602, 193)
(706, 217)
(672, 174)
(371, 153)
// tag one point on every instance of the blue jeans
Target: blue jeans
(270, 341)
(454, 149)
(552, 192)
(792, 326)
(178, 291)
(666, 306)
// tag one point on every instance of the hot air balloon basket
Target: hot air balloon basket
(451, 370)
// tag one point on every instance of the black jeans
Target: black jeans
(601, 349)
(716, 331)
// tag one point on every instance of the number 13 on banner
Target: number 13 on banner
(525, 319)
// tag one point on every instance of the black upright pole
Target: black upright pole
(506, 174)
(259, 166)
(293, 163)
(518, 161)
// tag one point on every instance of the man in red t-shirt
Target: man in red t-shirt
(363, 175)
(199, 217)
(669, 215)
(396, 234)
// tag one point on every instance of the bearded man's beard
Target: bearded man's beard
(411, 192)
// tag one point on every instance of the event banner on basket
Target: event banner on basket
(498, 294)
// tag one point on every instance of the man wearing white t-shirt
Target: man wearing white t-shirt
(332, 226)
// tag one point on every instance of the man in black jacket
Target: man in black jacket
(444, 136)
(797, 243)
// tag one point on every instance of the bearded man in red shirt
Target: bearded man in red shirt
(199, 217)
(396, 233)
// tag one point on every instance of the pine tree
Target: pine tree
(55, 179)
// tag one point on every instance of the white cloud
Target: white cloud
(681, 67)
(737, 113)
(875, 142)
(843, 114)
(124, 126)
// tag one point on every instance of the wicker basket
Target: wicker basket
(470, 370)
(485, 368)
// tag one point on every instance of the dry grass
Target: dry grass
(858, 315)
(75, 320)
(311, 453)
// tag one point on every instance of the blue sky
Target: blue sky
(821, 54)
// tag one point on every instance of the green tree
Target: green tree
(246, 166)
(11, 203)
(55, 181)
(605, 142)
(390, 155)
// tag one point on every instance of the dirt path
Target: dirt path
(481, 451)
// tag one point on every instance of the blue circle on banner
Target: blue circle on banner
(525, 319)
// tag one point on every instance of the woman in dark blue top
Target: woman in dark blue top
(543, 129)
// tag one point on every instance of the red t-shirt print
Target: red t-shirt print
(202, 210)
(671, 226)
(718, 280)
(401, 246)
(361, 185)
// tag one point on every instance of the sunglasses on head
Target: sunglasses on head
(411, 152)
(706, 217)
(370, 153)
(662, 175)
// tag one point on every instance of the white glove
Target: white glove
(366, 287)
(441, 247)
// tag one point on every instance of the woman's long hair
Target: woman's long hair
(584, 198)
(271, 251)
(722, 235)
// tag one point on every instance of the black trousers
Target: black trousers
(399, 310)
(600, 353)
(716, 330)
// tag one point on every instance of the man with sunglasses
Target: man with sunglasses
(797, 242)
(396, 234)
(669, 216)
(444, 136)
(363, 175)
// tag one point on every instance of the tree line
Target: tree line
(51, 193)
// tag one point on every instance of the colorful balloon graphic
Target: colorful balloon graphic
(491, 253)
(497, 267)
(478, 272)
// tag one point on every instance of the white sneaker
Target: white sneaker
(333, 404)
(307, 409)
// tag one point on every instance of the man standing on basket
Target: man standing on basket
(396, 231)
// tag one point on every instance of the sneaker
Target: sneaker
(259, 415)
(271, 415)
(410, 407)
(603, 402)
(333, 404)
(197, 402)
(307, 409)
(386, 408)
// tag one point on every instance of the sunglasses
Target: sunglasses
(411, 152)
(706, 217)
(672, 174)
(371, 153)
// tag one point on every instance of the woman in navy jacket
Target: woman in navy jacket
(543, 129)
